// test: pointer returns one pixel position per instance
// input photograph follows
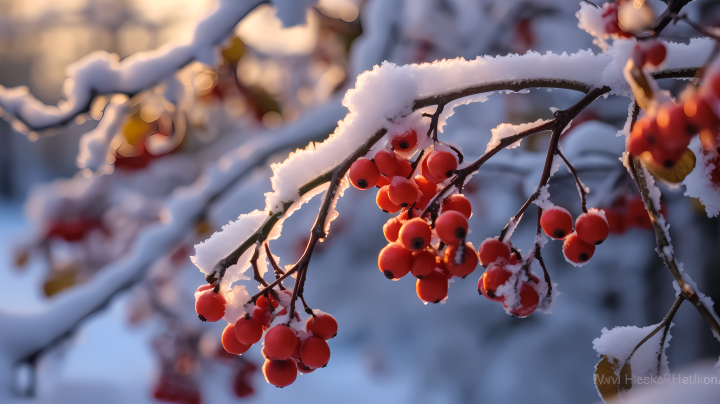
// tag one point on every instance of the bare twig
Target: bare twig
(580, 186)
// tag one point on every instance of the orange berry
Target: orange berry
(466, 266)
(556, 222)
(451, 227)
(432, 288)
(404, 141)
(394, 261)
(422, 264)
(491, 250)
(363, 174)
(280, 373)
(576, 250)
(314, 352)
(403, 192)
(230, 341)
(442, 164)
(415, 234)
(280, 342)
(459, 203)
(383, 200)
(592, 228)
(322, 325)
(248, 330)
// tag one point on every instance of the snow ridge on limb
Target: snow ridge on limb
(103, 73)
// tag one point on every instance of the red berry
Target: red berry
(382, 182)
(656, 54)
(425, 172)
(592, 228)
(440, 265)
(262, 302)
(403, 192)
(491, 249)
(427, 189)
(322, 325)
(264, 316)
(467, 265)
(387, 162)
(529, 300)
(394, 261)
(715, 85)
(404, 168)
(556, 222)
(280, 342)
(637, 215)
(576, 250)
(492, 279)
(710, 140)
(415, 234)
(280, 373)
(442, 164)
(303, 368)
(422, 264)
(700, 114)
(383, 200)
(391, 229)
(459, 203)
(363, 174)
(404, 141)
(638, 56)
(248, 330)
(209, 306)
(204, 287)
(672, 126)
(315, 352)
(432, 288)
(231, 343)
(451, 227)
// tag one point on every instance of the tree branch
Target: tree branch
(580, 186)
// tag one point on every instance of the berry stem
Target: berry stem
(580, 186)
(258, 277)
(276, 268)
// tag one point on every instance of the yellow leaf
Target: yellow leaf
(235, 51)
(135, 129)
(608, 381)
(57, 281)
(674, 174)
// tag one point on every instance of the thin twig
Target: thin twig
(580, 186)
(665, 322)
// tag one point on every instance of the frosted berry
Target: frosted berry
(280, 373)
(529, 300)
(394, 261)
(425, 172)
(403, 192)
(440, 266)
(423, 263)
(280, 342)
(491, 249)
(432, 288)
(468, 263)
(556, 222)
(314, 352)
(451, 227)
(492, 279)
(404, 141)
(576, 250)
(427, 189)
(459, 203)
(383, 200)
(248, 330)
(230, 342)
(264, 316)
(322, 325)
(364, 174)
(442, 164)
(592, 228)
(387, 162)
(415, 234)
(209, 306)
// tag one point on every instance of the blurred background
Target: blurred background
(61, 226)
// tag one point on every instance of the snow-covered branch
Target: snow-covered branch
(103, 73)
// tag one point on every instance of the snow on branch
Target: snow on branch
(184, 207)
(103, 73)
(384, 97)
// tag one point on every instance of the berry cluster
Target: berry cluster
(286, 349)
(610, 16)
(591, 229)
(666, 134)
(625, 214)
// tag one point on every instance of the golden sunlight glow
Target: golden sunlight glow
(262, 30)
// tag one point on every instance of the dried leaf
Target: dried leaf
(639, 84)
(674, 174)
(608, 381)
(59, 280)
(234, 51)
